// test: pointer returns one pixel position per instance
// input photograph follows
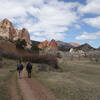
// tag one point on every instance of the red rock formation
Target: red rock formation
(75, 44)
(45, 43)
(53, 44)
(7, 31)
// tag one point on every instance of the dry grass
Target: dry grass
(8, 66)
(77, 80)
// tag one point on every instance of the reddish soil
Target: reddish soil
(31, 89)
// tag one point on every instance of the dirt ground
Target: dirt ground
(28, 89)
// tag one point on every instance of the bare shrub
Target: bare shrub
(71, 57)
(43, 67)
(43, 59)
(0, 62)
(94, 56)
(10, 55)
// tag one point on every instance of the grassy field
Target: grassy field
(6, 71)
(77, 80)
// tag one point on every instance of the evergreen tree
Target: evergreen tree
(21, 44)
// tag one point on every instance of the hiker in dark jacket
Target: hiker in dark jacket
(29, 69)
(19, 68)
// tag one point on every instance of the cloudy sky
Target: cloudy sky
(64, 20)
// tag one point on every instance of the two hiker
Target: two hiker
(28, 69)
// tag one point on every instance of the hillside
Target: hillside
(85, 47)
(98, 48)
(10, 48)
(62, 46)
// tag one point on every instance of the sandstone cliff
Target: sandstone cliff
(7, 31)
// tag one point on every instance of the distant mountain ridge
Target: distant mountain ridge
(85, 47)
(74, 44)
(63, 46)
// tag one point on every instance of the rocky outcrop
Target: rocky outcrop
(7, 31)
(45, 44)
(53, 44)
(24, 34)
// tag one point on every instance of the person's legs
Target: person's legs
(29, 74)
(19, 73)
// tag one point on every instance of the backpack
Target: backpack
(29, 67)
(20, 67)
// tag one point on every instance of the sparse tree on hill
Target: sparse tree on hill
(21, 44)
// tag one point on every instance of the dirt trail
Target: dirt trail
(31, 89)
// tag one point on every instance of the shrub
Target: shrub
(43, 67)
(21, 44)
(34, 48)
(10, 56)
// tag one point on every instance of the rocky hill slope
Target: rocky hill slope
(63, 46)
(85, 47)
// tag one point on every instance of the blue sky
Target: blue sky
(64, 20)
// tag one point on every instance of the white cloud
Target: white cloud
(49, 18)
(77, 26)
(37, 38)
(88, 36)
(9, 10)
(92, 6)
(91, 42)
(95, 22)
